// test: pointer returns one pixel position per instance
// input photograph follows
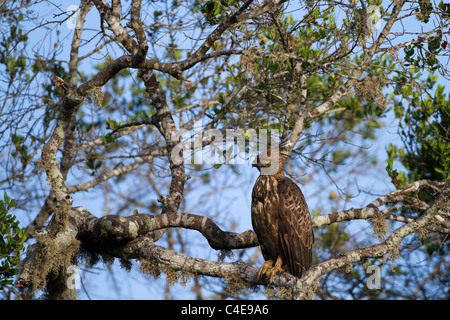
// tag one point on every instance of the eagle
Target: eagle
(280, 219)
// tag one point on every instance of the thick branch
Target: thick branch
(129, 228)
(113, 21)
(163, 120)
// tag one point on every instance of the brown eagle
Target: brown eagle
(280, 219)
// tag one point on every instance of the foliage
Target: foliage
(424, 129)
(11, 242)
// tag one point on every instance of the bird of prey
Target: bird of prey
(280, 219)
(58, 82)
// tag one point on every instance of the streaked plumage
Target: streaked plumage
(282, 222)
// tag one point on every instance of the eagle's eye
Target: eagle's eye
(266, 162)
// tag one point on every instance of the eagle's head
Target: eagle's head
(269, 162)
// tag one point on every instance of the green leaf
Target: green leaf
(289, 19)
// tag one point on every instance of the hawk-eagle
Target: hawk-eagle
(280, 219)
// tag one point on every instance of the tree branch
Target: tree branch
(389, 246)
(112, 228)
(359, 70)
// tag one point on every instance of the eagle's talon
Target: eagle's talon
(265, 269)
(273, 272)
(270, 269)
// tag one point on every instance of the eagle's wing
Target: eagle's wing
(294, 228)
